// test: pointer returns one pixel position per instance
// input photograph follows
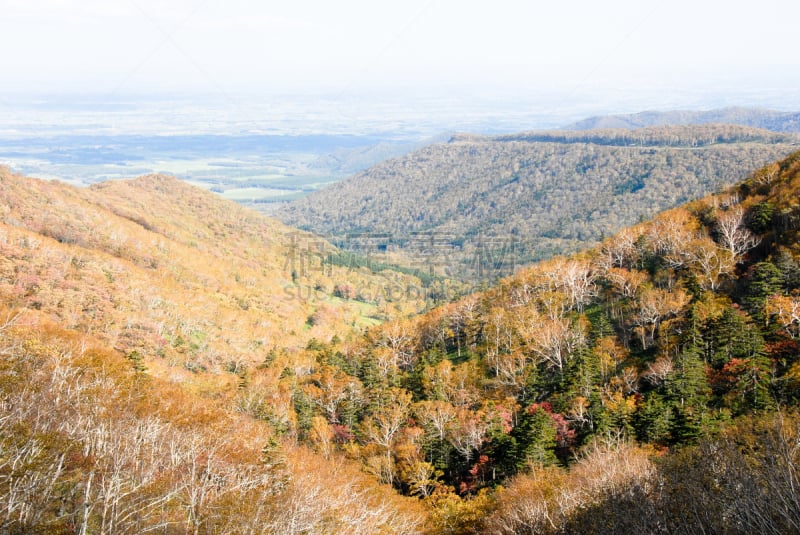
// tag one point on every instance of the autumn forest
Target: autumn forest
(172, 362)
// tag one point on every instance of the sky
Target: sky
(353, 47)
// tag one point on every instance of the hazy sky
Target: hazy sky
(354, 46)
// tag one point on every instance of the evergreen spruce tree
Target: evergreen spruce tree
(765, 280)
(752, 388)
(535, 438)
(733, 336)
(654, 420)
(688, 390)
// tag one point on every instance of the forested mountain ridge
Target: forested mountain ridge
(547, 192)
(687, 136)
(775, 121)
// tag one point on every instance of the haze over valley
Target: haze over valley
(259, 150)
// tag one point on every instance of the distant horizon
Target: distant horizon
(368, 113)
(624, 55)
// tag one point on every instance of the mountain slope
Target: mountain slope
(91, 445)
(775, 121)
(156, 267)
(150, 333)
(545, 193)
(661, 367)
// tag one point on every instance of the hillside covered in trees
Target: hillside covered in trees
(647, 385)
(132, 316)
(156, 267)
(537, 193)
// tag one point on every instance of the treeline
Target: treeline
(558, 194)
(659, 136)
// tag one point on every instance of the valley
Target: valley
(399, 268)
(175, 361)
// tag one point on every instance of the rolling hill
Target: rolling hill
(775, 121)
(486, 204)
(161, 269)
